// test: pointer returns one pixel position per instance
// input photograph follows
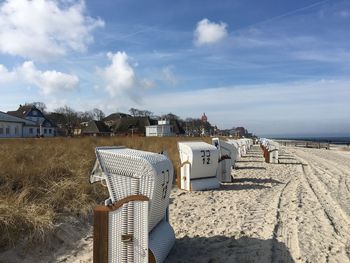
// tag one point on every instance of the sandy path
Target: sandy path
(295, 211)
(241, 222)
(287, 212)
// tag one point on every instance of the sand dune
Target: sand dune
(295, 211)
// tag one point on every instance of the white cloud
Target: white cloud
(49, 82)
(41, 29)
(148, 84)
(169, 76)
(120, 77)
(6, 75)
(209, 32)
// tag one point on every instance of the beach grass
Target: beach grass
(44, 180)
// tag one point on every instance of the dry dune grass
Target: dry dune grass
(44, 180)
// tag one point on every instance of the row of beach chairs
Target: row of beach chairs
(132, 225)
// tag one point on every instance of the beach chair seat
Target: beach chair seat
(133, 223)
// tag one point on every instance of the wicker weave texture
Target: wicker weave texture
(130, 172)
(161, 240)
(224, 171)
(130, 219)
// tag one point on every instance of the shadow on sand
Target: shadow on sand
(256, 180)
(254, 161)
(288, 160)
(219, 249)
(252, 155)
(250, 167)
(237, 187)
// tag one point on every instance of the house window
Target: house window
(35, 113)
(37, 130)
(1, 130)
(45, 131)
(50, 131)
(7, 130)
(16, 130)
(30, 130)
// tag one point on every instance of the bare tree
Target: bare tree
(140, 113)
(86, 116)
(39, 105)
(133, 111)
(147, 113)
(70, 119)
(98, 114)
(171, 116)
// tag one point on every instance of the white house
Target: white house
(35, 123)
(162, 129)
(14, 127)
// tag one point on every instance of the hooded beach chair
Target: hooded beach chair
(199, 162)
(227, 159)
(237, 147)
(273, 148)
(270, 150)
(243, 145)
(133, 224)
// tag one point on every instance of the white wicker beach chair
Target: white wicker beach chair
(273, 148)
(236, 146)
(243, 146)
(199, 162)
(133, 224)
(227, 159)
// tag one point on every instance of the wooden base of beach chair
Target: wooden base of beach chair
(101, 232)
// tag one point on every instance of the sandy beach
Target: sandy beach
(295, 211)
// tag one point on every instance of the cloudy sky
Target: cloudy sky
(275, 67)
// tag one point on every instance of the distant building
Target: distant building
(130, 125)
(204, 118)
(114, 118)
(60, 121)
(161, 130)
(14, 127)
(96, 128)
(37, 124)
(205, 128)
(78, 129)
(240, 132)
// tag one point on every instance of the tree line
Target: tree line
(68, 118)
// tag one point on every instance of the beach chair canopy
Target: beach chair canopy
(133, 172)
(139, 185)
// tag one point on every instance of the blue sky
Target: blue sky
(275, 67)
